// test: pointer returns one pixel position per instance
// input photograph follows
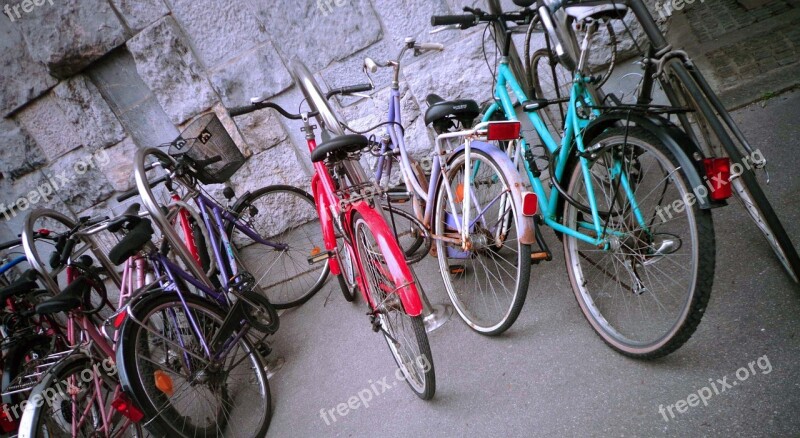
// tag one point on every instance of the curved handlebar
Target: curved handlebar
(241, 110)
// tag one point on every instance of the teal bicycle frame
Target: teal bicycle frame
(574, 126)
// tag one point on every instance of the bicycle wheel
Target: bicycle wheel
(73, 405)
(746, 186)
(487, 284)
(347, 279)
(164, 366)
(551, 81)
(404, 334)
(287, 216)
(645, 293)
(411, 235)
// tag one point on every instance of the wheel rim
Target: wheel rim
(237, 398)
(396, 323)
(484, 286)
(614, 306)
(283, 217)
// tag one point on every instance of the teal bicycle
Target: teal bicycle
(624, 192)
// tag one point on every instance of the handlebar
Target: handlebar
(465, 21)
(360, 88)
(135, 191)
(242, 110)
(476, 16)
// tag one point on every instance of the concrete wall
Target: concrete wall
(86, 82)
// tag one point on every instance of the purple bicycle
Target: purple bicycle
(472, 204)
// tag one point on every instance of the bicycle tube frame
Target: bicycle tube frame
(13, 262)
(573, 131)
(462, 223)
(328, 205)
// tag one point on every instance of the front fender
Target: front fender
(525, 232)
(399, 271)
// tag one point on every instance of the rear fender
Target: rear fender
(399, 272)
(526, 229)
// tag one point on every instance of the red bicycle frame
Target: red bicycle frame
(330, 206)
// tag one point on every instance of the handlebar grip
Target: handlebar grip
(359, 88)
(431, 46)
(463, 20)
(135, 191)
(370, 65)
(242, 110)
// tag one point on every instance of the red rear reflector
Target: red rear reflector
(119, 320)
(718, 171)
(43, 232)
(126, 408)
(7, 424)
(503, 130)
(530, 203)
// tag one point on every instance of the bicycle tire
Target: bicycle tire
(462, 294)
(34, 418)
(290, 296)
(165, 420)
(370, 259)
(601, 306)
(347, 276)
(419, 236)
(746, 188)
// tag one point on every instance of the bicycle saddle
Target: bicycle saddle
(337, 148)
(132, 243)
(128, 220)
(24, 284)
(600, 12)
(524, 3)
(442, 112)
(70, 298)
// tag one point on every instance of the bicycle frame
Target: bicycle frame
(439, 170)
(574, 126)
(333, 209)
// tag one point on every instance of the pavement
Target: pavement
(550, 375)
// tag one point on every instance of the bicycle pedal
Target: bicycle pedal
(320, 257)
(264, 349)
(457, 269)
(537, 257)
(376, 323)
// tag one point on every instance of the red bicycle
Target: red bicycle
(361, 249)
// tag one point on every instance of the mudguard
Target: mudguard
(395, 259)
(685, 150)
(525, 232)
(325, 221)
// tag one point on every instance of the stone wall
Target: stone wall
(87, 82)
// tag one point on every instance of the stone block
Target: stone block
(116, 163)
(258, 72)
(168, 67)
(278, 165)
(23, 78)
(68, 35)
(87, 112)
(220, 29)
(139, 14)
(20, 154)
(78, 179)
(335, 29)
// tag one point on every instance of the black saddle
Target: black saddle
(128, 220)
(441, 113)
(24, 284)
(524, 3)
(133, 242)
(70, 298)
(337, 148)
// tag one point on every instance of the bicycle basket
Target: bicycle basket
(206, 138)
